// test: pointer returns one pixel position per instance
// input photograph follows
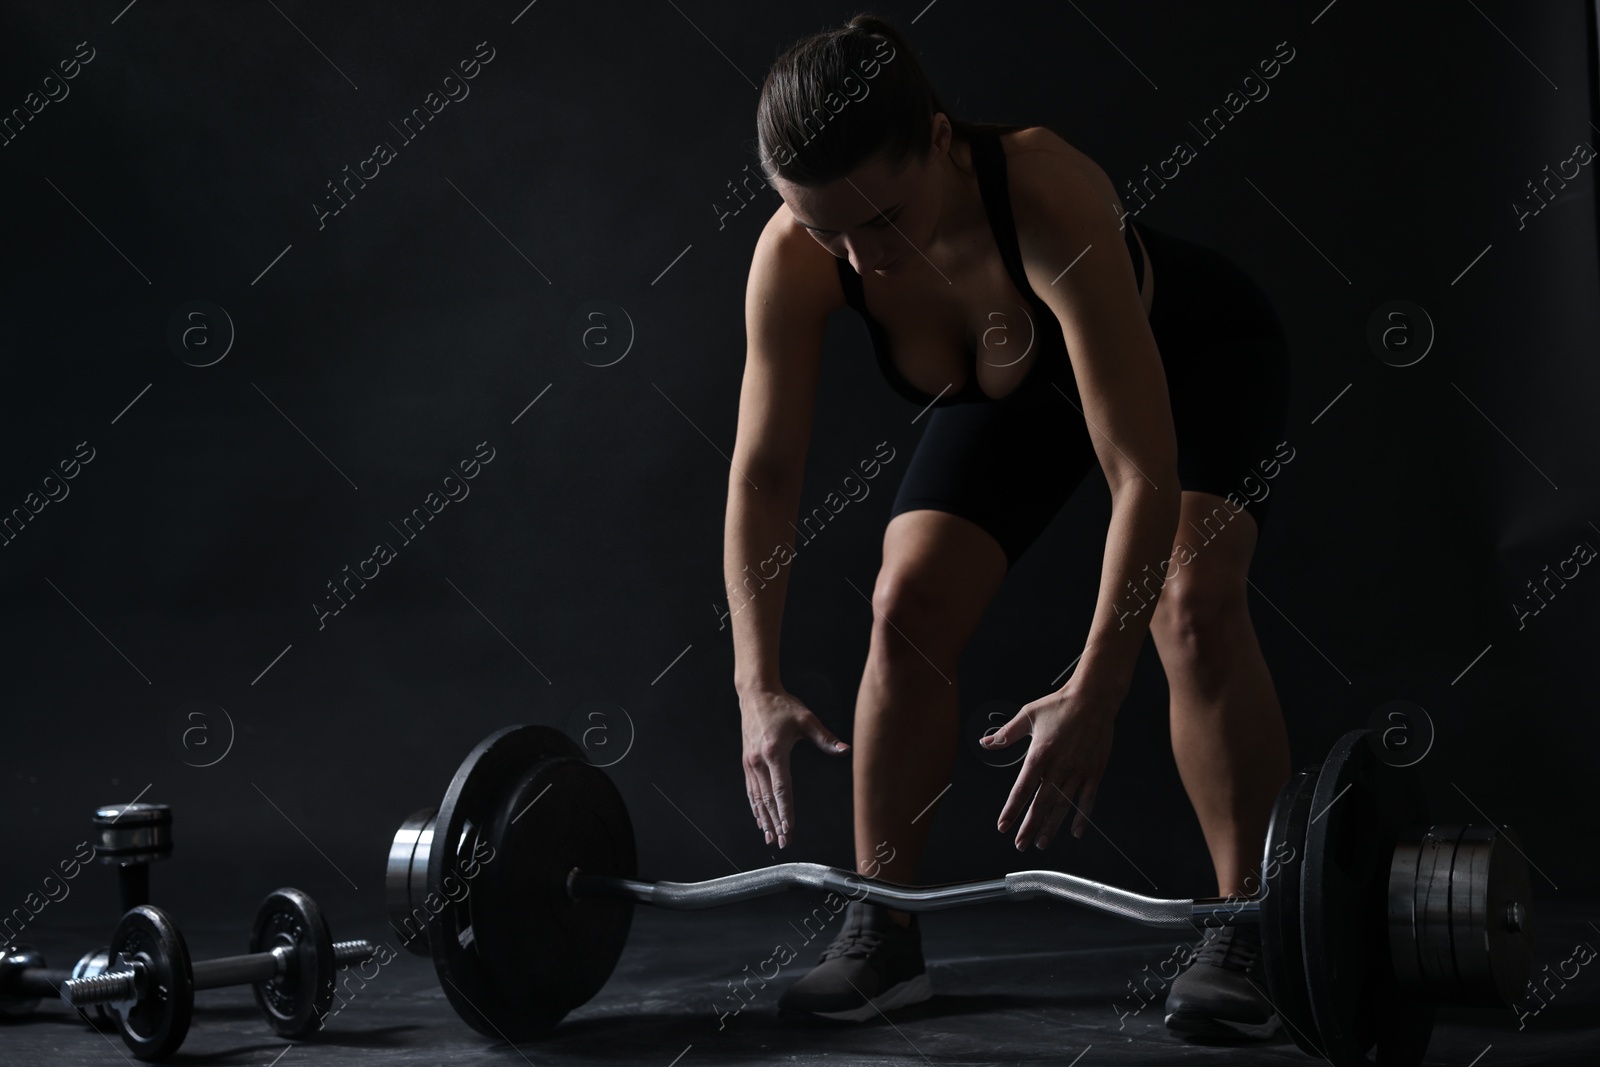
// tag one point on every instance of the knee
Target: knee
(1196, 621)
(914, 615)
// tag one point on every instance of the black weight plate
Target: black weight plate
(1361, 809)
(294, 1003)
(1402, 906)
(1280, 909)
(155, 1025)
(512, 955)
(552, 949)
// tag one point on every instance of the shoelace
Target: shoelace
(854, 944)
(1226, 949)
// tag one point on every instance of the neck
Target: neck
(960, 201)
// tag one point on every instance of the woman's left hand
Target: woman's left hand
(1071, 731)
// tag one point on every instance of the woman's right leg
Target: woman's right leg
(939, 573)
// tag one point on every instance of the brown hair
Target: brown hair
(805, 139)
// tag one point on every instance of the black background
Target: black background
(592, 151)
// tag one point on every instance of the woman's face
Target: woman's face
(875, 217)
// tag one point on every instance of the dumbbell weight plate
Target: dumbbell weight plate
(1362, 808)
(14, 959)
(512, 953)
(155, 1026)
(1282, 861)
(295, 1003)
(126, 833)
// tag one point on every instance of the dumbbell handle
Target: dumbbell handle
(1021, 885)
(123, 983)
(265, 966)
(133, 880)
(35, 982)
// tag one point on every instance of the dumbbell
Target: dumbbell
(25, 980)
(521, 886)
(150, 982)
(133, 836)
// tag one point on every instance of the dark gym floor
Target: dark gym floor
(1025, 983)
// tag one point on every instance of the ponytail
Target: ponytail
(836, 98)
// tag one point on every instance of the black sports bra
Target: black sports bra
(989, 164)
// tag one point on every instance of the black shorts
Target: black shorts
(1009, 468)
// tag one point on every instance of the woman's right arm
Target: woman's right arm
(791, 291)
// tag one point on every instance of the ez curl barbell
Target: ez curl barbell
(521, 887)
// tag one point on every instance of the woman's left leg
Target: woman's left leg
(1228, 734)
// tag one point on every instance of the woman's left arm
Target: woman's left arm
(1061, 217)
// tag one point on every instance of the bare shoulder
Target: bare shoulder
(1063, 205)
(790, 273)
(1054, 183)
(791, 291)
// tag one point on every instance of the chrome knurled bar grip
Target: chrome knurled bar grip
(1021, 885)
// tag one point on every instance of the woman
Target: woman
(1005, 291)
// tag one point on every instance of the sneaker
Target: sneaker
(873, 966)
(1222, 992)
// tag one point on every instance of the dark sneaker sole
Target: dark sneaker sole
(911, 991)
(1199, 1025)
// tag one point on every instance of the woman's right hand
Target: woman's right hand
(773, 721)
